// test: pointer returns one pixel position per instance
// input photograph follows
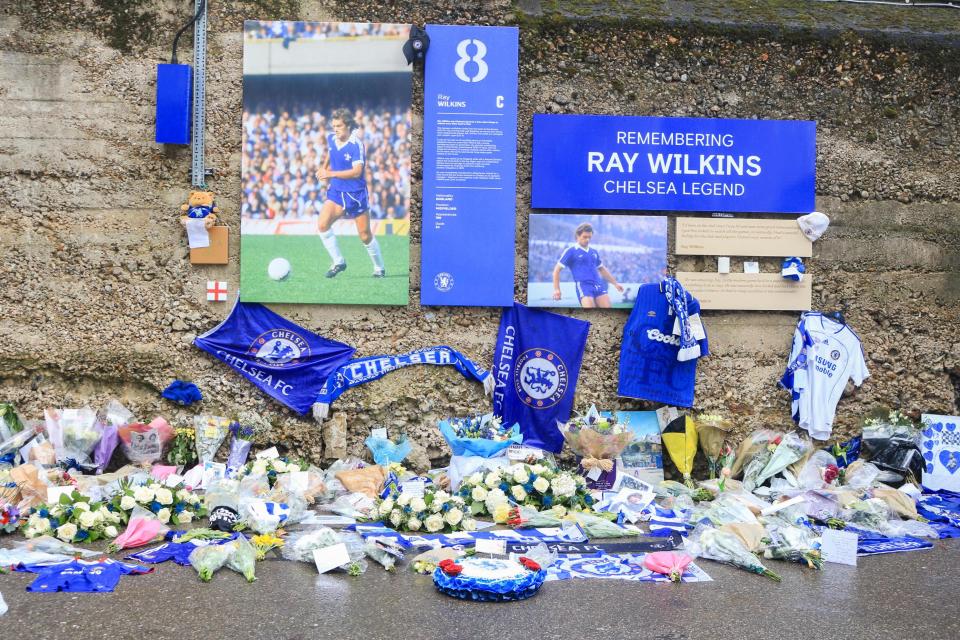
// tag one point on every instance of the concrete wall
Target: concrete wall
(97, 299)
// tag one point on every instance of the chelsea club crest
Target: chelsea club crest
(279, 347)
(541, 378)
(443, 281)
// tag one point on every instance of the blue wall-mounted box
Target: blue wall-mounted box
(174, 94)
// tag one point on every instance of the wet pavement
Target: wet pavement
(895, 596)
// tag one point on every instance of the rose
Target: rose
(563, 486)
(559, 510)
(143, 494)
(830, 473)
(88, 519)
(163, 515)
(81, 506)
(127, 503)
(404, 499)
(396, 517)
(519, 494)
(529, 564)
(520, 475)
(469, 524)
(67, 532)
(38, 523)
(501, 512)
(495, 498)
(492, 480)
(541, 484)
(479, 494)
(414, 524)
(538, 469)
(434, 523)
(164, 496)
(441, 496)
(454, 516)
(110, 532)
(476, 478)
(185, 517)
(386, 506)
(418, 504)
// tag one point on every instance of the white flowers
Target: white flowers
(386, 506)
(541, 484)
(396, 517)
(67, 532)
(453, 517)
(492, 480)
(518, 492)
(479, 494)
(163, 516)
(414, 524)
(143, 495)
(469, 524)
(520, 475)
(81, 506)
(185, 517)
(164, 496)
(88, 519)
(494, 498)
(417, 504)
(110, 531)
(563, 486)
(476, 478)
(434, 523)
(404, 499)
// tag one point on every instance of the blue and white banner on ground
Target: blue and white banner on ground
(469, 166)
(282, 359)
(536, 363)
(622, 566)
(673, 164)
(469, 538)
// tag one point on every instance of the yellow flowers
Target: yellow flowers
(501, 512)
(265, 543)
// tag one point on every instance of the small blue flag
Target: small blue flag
(536, 363)
(286, 361)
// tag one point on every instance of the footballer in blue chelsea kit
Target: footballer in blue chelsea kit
(344, 167)
(588, 272)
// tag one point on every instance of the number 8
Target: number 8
(460, 68)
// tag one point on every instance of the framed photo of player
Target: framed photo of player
(593, 261)
(325, 157)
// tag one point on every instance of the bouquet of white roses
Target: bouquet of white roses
(176, 505)
(437, 511)
(271, 468)
(74, 518)
(538, 486)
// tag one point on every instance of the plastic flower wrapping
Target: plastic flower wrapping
(483, 436)
(792, 542)
(175, 505)
(209, 559)
(300, 546)
(680, 439)
(183, 450)
(240, 445)
(386, 451)
(272, 468)
(210, 432)
(541, 487)
(145, 443)
(713, 431)
(594, 436)
(73, 432)
(143, 528)
(74, 518)
(435, 512)
(10, 422)
(242, 558)
(723, 546)
(668, 563)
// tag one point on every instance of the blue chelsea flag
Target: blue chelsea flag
(283, 359)
(536, 363)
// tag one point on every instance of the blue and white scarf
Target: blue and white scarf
(467, 538)
(627, 566)
(677, 299)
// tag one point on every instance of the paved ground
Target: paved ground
(906, 595)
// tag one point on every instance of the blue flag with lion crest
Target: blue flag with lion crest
(535, 364)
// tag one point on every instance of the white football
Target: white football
(278, 269)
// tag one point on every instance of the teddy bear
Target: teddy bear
(200, 205)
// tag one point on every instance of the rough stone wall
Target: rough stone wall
(98, 300)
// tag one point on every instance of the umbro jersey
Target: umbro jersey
(343, 157)
(583, 263)
(649, 369)
(80, 576)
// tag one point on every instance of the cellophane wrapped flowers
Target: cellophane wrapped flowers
(483, 436)
(599, 441)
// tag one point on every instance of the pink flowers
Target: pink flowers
(668, 563)
(830, 473)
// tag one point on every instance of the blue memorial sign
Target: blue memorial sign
(469, 166)
(673, 164)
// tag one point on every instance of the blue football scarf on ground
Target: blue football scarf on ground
(616, 567)
(536, 363)
(80, 576)
(875, 546)
(467, 538)
(282, 359)
(361, 370)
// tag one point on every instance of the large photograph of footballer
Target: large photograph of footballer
(593, 261)
(325, 214)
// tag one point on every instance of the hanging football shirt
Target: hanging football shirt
(825, 354)
(649, 368)
(80, 576)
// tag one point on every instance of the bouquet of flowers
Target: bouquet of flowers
(538, 486)
(713, 431)
(483, 436)
(210, 432)
(243, 557)
(10, 423)
(385, 451)
(239, 447)
(791, 448)
(669, 563)
(74, 518)
(271, 468)
(787, 541)
(144, 443)
(10, 517)
(598, 441)
(680, 439)
(723, 546)
(183, 451)
(436, 512)
(766, 443)
(176, 505)
(73, 432)
(265, 543)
